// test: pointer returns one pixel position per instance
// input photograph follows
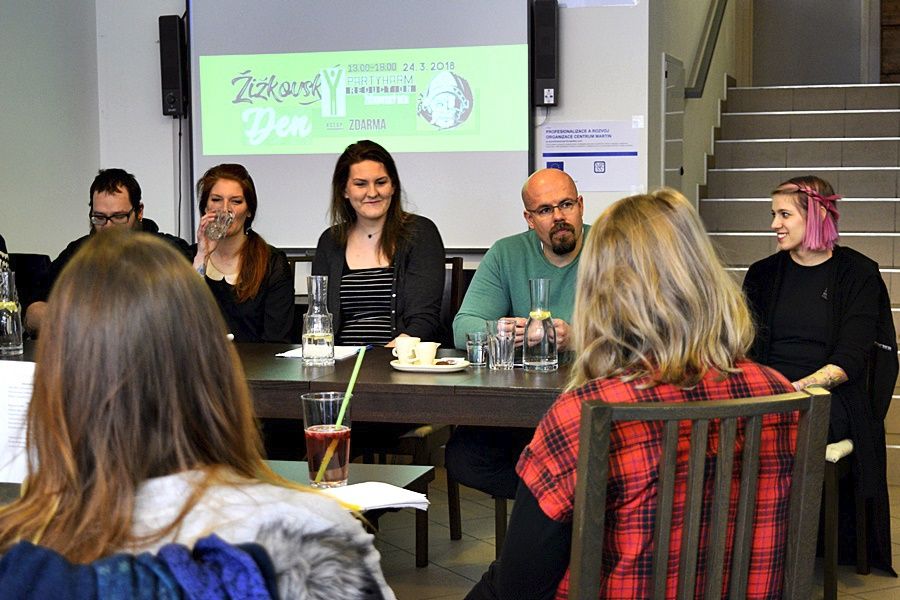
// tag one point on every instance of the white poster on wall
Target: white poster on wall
(601, 156)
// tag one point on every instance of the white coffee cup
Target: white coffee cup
(425, 353)
(404, 349)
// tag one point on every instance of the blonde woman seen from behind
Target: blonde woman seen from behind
(657, 319)
(141, 432)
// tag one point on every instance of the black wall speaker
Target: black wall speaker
(545, 52)
(173, 65)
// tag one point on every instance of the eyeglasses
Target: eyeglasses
(118, 218)
(565, 207)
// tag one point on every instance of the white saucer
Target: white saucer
(459, 364)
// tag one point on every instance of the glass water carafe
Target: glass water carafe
(318, 329)
(539, 349)
(10, 316)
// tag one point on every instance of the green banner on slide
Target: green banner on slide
(472, 98)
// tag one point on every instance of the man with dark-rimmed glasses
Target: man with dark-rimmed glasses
(115, 201)
(485, 457)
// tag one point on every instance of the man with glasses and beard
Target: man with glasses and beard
(115, 202)
(484, 458)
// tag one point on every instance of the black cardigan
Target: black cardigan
(418, 279)
(855, 286)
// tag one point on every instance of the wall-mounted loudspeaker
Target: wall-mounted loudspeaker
(173, 65)
(545, 52)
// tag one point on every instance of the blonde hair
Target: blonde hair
(134, 379)
(653, 299)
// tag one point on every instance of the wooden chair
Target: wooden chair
(805, 495)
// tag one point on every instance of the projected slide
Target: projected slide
(461, 99)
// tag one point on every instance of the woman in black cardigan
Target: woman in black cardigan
(816, 307)
(385, 266)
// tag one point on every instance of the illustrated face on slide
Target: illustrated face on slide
(369, 189)
(447, 102)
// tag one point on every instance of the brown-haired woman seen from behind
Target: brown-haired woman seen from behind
(817, 310)
(397, 256)
(656, 319)
(141, 431)
(251, 280)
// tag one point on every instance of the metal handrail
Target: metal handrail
(702, 61)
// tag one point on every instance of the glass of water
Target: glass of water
(10, 316)
(501, 343)
(217, 229)
(477, 348)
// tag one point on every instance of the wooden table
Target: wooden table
(476, 396)
(411, 477)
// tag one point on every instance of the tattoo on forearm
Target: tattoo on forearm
(828, 377)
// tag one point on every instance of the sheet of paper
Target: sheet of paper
(340, 352)
(370, 495)
(16, 384)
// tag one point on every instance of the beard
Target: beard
(565, 244)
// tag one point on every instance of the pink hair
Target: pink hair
(821, 231)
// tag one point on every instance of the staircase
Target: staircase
(848, 135)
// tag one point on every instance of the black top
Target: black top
(268, 316)
(799, 341)
(147, 226)
(854, 290)
(418, 279)
(366, 306)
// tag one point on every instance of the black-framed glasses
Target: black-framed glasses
(117, 218)
(565, 207)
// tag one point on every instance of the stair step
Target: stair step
(754, 214)
(816, 97)
(810, 124)
(758, 182)
(808, 152)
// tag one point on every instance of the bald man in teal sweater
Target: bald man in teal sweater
(484, 458)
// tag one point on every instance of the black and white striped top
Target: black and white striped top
(366, 306)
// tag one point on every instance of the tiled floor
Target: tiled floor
(456, 565)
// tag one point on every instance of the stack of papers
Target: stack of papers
(16, 383)
(340, 352)
(372, 495)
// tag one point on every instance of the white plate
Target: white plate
(459, 364)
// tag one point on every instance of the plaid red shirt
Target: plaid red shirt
(547, 466)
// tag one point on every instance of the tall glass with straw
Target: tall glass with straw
(326, 417)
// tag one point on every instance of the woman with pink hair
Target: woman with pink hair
(816, 306)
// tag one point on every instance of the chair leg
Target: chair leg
(453, 508)
(862, 548)
(830, 533)
(499, 523)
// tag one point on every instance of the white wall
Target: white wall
(49, 124)
(134, 134)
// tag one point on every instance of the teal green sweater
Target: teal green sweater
(500, 285)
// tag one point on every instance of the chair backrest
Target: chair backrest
(454, 291)
(805, 494)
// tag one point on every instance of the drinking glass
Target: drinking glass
(217, 229)
(326, 441)
(10, 316)
(539, 350)
(501, 343)
(477, 348)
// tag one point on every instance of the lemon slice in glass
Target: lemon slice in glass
(539, 315)
(10, 306)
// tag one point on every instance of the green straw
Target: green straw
(340, 418)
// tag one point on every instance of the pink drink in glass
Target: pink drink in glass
(319, 438)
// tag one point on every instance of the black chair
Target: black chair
(805, 495)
